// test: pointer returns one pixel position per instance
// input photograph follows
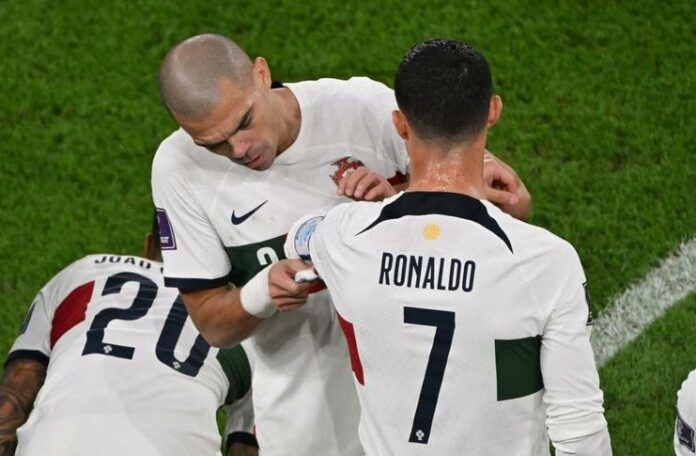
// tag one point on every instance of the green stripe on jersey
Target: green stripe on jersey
(517, 366)
(247, 260)
(235, 364)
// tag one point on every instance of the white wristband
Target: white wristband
(256, 297)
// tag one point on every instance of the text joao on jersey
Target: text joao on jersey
(433, 273)
(125, 260)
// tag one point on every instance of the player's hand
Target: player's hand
(504, 188)
(285, 292)
(363, 184)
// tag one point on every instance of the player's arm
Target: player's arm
(225, 316)
(26, 365)
(21, 381)
(573, 399)
(220, 317)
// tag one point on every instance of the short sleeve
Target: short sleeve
(34, 339)
(193, 254)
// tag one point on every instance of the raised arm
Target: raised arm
(21, 382)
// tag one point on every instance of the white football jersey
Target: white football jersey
(221, 223)
(686, 417)
(127, 371)
(468, 329)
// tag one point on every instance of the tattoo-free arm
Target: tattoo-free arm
(20, 385)
(219, 316)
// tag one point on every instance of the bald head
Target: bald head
(191, 73)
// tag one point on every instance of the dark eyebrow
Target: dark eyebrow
(242, 122)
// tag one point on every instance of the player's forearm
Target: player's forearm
(597, 444)
(219, 316)
(20, 385)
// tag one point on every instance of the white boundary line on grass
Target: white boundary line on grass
(645, 301)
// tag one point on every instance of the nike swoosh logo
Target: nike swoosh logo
(237, 220)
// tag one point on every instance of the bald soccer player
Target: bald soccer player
(252, 157)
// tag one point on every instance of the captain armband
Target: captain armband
(298, 239)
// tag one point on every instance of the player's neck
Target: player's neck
(290, 117)
(456, 170)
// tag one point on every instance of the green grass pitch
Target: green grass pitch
(599, 120)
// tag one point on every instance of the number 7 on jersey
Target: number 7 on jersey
(435, 370)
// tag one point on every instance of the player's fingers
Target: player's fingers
(379, 192)
(284, 304)
(292, 266)
(291, 306)
(370, 180)
(351, 180)
(287, 287)
(501, 197)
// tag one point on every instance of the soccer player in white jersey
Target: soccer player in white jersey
(119, 369)
(468, 329)
(684, 440)
(277, 153)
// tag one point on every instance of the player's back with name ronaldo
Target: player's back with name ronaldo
(127, 373)
(468, 329)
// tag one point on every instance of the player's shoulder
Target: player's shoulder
(94, 266)
(178, 156)
(532, 243)
(350, 218)
(174, 152)
(107, 263)
(687, 392)
(356, 91)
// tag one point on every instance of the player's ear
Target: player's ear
(494, 110)
(401, 124)
(262, 73)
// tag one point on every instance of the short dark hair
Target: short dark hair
(444, 89)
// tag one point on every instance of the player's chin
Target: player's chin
(262, 162)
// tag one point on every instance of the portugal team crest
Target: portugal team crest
(344, 165)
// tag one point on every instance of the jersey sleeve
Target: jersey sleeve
(572, 395)
(194, 257)
(326, 247)
(34, 339)
(684, 439)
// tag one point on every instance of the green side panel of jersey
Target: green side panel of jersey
(235, 364)
(518, 369)
(247, 260)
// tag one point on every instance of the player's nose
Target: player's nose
(239, 148)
